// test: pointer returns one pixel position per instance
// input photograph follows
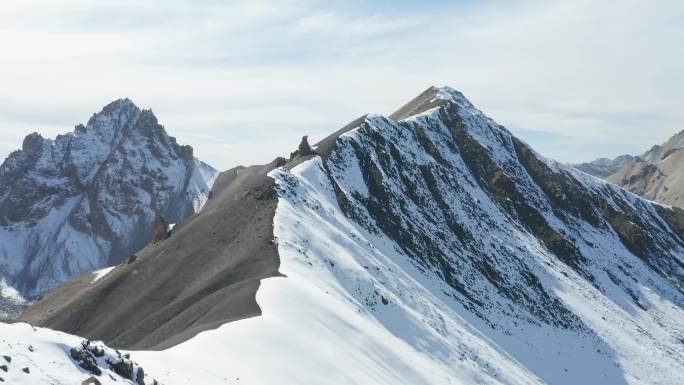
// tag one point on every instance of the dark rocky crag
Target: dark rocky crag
(87, 199)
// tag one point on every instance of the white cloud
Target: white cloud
(242, 82)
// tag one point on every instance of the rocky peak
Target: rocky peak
(123, 104)
(33, 143)
(104, 183)
(304, 149)
(428, 99)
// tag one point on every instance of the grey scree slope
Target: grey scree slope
(206, 274)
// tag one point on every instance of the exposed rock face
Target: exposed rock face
(87, 199)
(404, 195)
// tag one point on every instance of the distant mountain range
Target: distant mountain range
(604, 167)
(657, 174)
(88, 199)
(430, 246)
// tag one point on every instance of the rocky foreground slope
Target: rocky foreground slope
(88, 199)
(428, 247)
(37, 356)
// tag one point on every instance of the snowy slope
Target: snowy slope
(87, 199)
(37, 356)
(439, 249)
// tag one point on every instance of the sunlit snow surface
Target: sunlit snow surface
(353, 308)
(39, 356)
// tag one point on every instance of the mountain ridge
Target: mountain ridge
(654, 175)
(436, 248)
(604, 167)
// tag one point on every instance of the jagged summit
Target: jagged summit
(120, 104)
(88, 198)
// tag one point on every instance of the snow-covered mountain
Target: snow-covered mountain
(427, 247)
(87, 199)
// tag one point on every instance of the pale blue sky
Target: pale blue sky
(243, 81)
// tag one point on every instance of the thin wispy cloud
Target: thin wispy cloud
(242, 81)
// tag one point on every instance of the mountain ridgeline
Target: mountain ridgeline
(604, 167)
(657, 174)
(456, 251)
(88, 199)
